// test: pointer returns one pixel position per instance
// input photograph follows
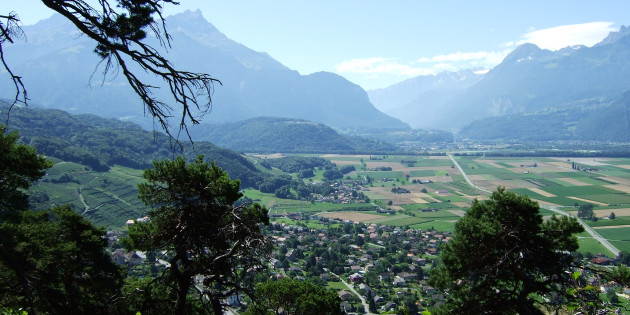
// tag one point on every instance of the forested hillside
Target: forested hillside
(269, 134)
(102, 143)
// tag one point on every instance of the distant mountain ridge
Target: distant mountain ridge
(572, 87)
(417, 101)
(58, 68)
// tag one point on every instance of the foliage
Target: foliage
(101, 143)
(119, 28)
(502, 256)
(620, 274)
(586, 211)
(19, 167)
(50, 261)
(288, 135)
(294, 163)
(54, 262)
(290, 296)
(194, 221)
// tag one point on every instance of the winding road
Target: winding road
(587, 228)
(350, 287)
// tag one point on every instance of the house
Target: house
(364, 287)
(399, 282)
(604, 261)
(295, 269)
(389, 306)
(357, 278)
(407, 276)
(346, 306)
(275, 264)
(345, 295)
(324, 276)
(428, 289)
(385, 276)
(378, 299)
(290, 255)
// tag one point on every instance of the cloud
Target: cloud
(550, 38)
(461, 60)
(424, 65)
(379, 65)
(558, 37)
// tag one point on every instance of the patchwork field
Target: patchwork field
(438, 194)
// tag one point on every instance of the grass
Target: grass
(590, 245)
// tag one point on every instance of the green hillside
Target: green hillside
(99, 162)
(269, 134)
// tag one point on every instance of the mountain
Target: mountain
(533, 94)
(101, 143)
(60, 70)
(99, 162)
(585, 84)
(270, 134)
(417, 101)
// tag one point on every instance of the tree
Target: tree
(19, 167)
(193, 220)
(371, 303)
(119, 28)
(585, 211)
(51, 261)
(54, 262)
(612, 216)
(290, 296)
(503, 256)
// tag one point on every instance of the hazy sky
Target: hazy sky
(378, 43)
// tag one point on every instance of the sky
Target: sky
(377, 43)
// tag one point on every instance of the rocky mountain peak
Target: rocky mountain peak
(615, 36)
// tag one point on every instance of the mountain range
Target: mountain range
(572, 91)
(576, 93)
(253, 84)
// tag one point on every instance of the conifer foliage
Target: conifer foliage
(503, 257)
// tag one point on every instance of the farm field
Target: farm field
(436, 193)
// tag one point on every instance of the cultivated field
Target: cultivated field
(439, 195)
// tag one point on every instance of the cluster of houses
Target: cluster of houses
(362, 268)
(344, 192)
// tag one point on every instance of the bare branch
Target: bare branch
(10, 30)
(119, 33)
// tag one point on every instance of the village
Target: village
(387, 266)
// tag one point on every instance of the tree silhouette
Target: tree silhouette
(119, 28)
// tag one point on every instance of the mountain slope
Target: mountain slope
(267, 134)
(99, 162)
(417, 101)
(58, 68)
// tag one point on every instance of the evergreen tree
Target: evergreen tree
(193, 219)
(290, 296)
(503, 257)
(51, 261)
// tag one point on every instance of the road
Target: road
(366, 306)
(466, 176)
(587, 228)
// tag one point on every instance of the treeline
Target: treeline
(551, 153)
(100, 143)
